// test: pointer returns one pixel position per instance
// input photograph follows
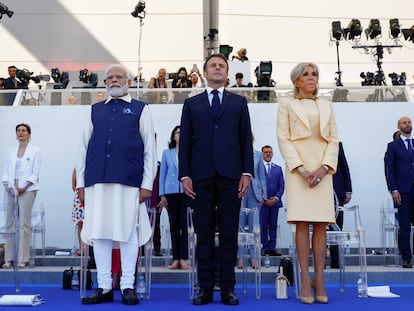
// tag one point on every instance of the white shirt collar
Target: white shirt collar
(209, 89)
(127, 98)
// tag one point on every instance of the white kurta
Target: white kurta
(112, 211)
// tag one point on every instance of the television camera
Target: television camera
(24, 75)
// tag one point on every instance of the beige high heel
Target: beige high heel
(319, 299)
(307, 300)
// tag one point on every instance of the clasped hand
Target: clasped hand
(315, 177)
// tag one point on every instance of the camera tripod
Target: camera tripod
(379, 78)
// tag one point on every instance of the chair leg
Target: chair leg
(84, 250)
(148, 266)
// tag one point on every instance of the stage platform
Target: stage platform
(49, 270)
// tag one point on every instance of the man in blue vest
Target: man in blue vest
(116, 168)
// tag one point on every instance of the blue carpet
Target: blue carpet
(175, 297)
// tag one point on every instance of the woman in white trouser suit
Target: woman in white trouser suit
(21, 178)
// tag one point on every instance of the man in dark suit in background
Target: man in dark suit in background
(343, 189)
(269, 212)
(399, 162)
(215, 167)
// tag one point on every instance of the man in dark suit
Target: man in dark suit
(12, 82)
(399, 161)
(343, 190)
(215, 167)
(269, 212)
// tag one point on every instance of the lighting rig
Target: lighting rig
(373, 32)
(61, 79)
(89, 78)
(139, 12)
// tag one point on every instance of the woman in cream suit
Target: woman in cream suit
(308, 140)
(21, 178)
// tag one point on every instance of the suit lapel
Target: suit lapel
(300, 112)
(174, 157)
(204, 99)
(324, 114)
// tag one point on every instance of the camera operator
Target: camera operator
(181, 80)
(12, 82)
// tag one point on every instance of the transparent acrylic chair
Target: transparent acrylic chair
(147, 256)
(9, 222)
(246, 238)
(249, 239)
(389, 230)
(192, 243)
(38, 226)
(84, 250)
(340, 238)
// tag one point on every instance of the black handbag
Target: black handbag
(68, 276)
(287, 269)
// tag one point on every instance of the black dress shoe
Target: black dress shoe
(203, 297)
(407, 264)
(129, 297)
(98, 297)
(334, 265)
(273, 253)
(228, 297)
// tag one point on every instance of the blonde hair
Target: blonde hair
(298, 71)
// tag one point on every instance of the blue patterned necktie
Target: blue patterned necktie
(215, 104)
(409, 146)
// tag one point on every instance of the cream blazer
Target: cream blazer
(293, 125)
(29, 169)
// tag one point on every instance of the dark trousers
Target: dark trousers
(268, 227)
(156, 237)
(177, 214)
(216, 205)
(405, 212)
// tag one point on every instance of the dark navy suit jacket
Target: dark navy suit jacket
(275, 183)
(342, 178)
(399, 167)
(210, 145)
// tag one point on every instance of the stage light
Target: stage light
(374, 29)
(61, 79)
(337, 31)
(397, 79)
(395, 29)
(139, 10)
(88, 77)
(354, 29)
(225, 49)
(5, 10)
(409, 34)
